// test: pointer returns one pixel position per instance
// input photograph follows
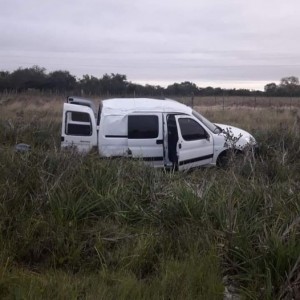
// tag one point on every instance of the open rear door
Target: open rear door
(83, 102)
(78, 128)
(195, 144)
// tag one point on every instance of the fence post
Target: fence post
(223, 102)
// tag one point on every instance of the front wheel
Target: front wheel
(228, 158)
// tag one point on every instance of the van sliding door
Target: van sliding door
(145, 137)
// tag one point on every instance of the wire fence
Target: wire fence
(219, 102)
(240, 102)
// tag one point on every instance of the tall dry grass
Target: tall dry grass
(81, 227)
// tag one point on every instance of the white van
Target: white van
(165, 133)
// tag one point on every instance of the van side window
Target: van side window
(191, 130)
(79, 125)
(142, 127)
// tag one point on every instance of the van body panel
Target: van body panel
(164, 133)
(113, 135)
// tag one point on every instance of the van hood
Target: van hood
(237, 137)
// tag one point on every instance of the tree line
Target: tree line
(288, 86)
(62, 82)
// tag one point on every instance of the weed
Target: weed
(76, 226)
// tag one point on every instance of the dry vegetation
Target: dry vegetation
(76, 227)
(238, 102)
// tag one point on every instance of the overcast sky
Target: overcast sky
(227, 43)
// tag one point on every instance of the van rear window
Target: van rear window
(78, 123)
(80, 117)
(142, 127)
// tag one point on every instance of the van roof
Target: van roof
(123, 106)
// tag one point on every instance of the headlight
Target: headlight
(250, 140)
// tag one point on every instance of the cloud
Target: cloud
(154, 40)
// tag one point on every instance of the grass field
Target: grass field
(75, 227)
(243, 101)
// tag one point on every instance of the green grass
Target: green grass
(75, 227)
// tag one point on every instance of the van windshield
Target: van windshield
(211, 126)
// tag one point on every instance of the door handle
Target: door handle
(159, 142)
(179, 146)
(129, 152)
